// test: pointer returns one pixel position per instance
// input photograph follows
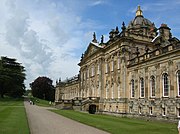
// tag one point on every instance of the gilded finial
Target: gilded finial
(139, 12)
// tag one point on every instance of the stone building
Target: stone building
(135, 73)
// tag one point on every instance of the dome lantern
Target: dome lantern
(139, 12)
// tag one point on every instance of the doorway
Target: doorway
(92, 109)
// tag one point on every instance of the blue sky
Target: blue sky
(49, 36)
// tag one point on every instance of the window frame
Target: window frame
(153, 86)
(142, 87)
(106, 67)
(150, 110)
(178, 112)
(178, 82)
(166, 85)
(112, 65)
(140, 110)
(163, 111)
(93, 70)
(132, 89)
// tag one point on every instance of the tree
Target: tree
(42, 88)
(12, 77)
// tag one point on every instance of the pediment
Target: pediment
(92, 48)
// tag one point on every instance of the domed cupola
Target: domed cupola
(141, 26)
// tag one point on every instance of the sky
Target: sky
(49, 36)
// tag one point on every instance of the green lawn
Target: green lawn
(118, 125)
(13, 118)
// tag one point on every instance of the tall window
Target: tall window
(98, 69)
(84, 76)
(117, 110)
(165, 85)
(130, 109)
(118, 65)
(163, 111)
(112, 65)
(92, 71)
(112, 92)
(107, 89)
(178, 82)
(106, 67)
(178, 112)
(153, 86)
(150, 111)
(140, 110)
(141, 87)
(87, 73)
(132, 88)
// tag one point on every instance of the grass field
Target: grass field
(118, 125)
(13, 118)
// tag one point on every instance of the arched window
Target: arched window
(178, 82)
(152, 86)
(132, 88)
(165, 85)
(141, 87)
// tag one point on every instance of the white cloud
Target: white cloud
(46, 36)
(97, 2)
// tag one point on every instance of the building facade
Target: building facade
(135, 73)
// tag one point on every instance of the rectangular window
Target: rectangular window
(132, 89)
(163, 111)
(92, 71)
(165, 85)
(112, 66)
(117, 110)
(87, 73)
(178, 82)
(178, 112)
(110, 109)
(140, 110)
(81, 76)
(106, 68)
(84, 76)
(150, 111)
(107, 91)
(112, 94)
(130, 109)
(152, 85)
(142, 88)
(118, 65)
(98, 69)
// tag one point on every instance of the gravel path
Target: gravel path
(42, 121)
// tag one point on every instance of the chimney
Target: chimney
(164, 31)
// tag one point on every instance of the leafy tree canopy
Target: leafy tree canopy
(42, 88)
(12, 77)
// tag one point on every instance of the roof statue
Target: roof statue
(94, 38)
(102, 39)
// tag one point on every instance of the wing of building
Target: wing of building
(135, 73)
